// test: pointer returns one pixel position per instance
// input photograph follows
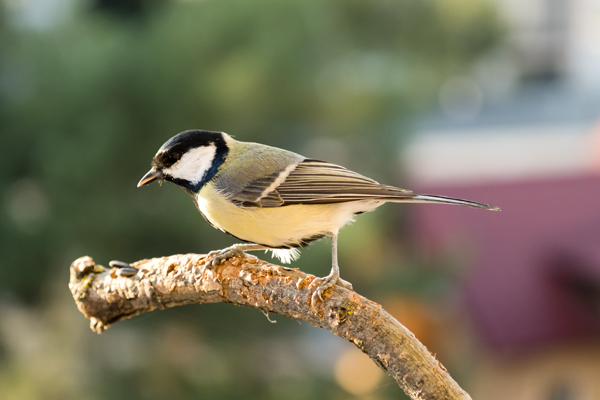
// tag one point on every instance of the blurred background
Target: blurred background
(495, 101)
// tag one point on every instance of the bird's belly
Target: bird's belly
(277, 227)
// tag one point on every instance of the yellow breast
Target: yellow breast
(277, 226)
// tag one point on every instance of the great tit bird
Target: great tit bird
(273, 199)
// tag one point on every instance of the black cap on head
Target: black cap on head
(170, 152)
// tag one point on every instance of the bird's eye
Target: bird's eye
(172, 158)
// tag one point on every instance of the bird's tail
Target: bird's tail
(426, 198)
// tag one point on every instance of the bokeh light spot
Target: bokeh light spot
(356, 373)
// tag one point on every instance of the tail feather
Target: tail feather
(426, 198)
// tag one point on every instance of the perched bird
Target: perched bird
(271, 198)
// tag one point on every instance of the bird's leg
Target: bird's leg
(334, 260)
(237, 250)
(331, 279)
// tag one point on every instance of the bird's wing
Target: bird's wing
(314, 182)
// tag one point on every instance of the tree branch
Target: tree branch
(105, 296)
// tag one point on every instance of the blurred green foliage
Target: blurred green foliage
(87, 100)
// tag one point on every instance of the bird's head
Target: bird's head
(189, 159)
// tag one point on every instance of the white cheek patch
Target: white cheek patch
(193, 164)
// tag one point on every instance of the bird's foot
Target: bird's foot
(323, 284)
(215, 257)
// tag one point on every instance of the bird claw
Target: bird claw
(324, 284)
(345, 284)
(215, 257)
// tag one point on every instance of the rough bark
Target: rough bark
(105, 297)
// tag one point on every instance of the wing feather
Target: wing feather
(315, 182)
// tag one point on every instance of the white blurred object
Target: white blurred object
(583, 51)
(498, 153)
(531, 109)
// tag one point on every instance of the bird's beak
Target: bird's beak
(150, 176)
